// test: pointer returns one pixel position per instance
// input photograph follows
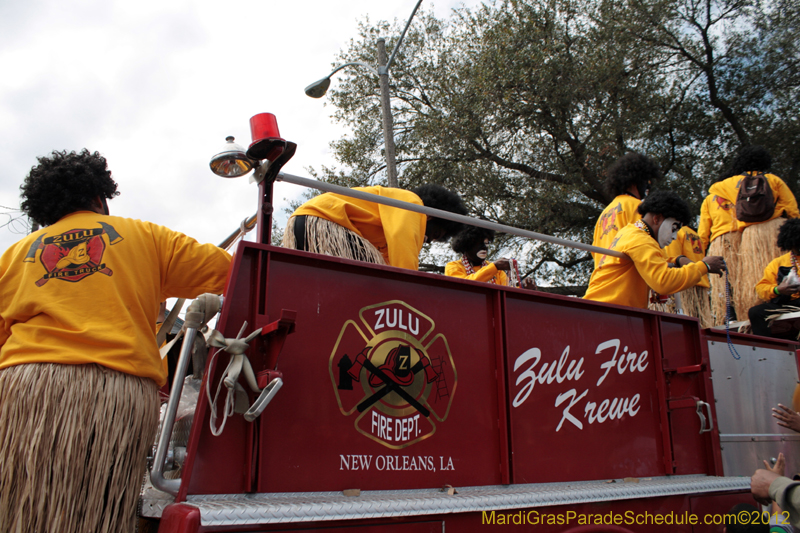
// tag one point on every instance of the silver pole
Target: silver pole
(171, 486)
(344, 191)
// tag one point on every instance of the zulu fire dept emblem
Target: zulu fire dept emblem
(394, 373)
(73, 255)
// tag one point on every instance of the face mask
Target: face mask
(643, 189)
(483, 252)
(668, 231)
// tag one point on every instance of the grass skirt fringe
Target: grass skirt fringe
(73, 446)
(727, 246)
(328, 238)
(695, 302)
(759, 247)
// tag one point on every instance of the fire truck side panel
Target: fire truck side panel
(327, 430)
(581, 375)
(408, 382)
(746, 389)
(695, 445)
(223, 464)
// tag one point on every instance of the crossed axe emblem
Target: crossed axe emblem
(393, 380)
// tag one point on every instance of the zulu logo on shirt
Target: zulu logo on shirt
(73, 255)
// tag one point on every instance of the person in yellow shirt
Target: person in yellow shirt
(759, 239)
(779, 287)
(473, 245)
(79, 364)
(719, 235)
(341, 226)
(627, 281)
(628, 180)
(694, 301)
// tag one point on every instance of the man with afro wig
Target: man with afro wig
(758, 243)
(628, 180)
(473, 245)
(625, 281)
(80, 368)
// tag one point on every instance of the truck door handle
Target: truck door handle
(703, 428)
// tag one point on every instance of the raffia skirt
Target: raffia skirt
(727, 246)
(695, 302)
(759, 247)
(322, 236)
(73, 447)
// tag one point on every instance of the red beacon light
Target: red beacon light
(267, 144)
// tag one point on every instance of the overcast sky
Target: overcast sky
(156, 87)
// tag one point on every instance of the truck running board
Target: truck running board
(250, 509)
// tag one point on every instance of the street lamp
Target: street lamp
(319, 88)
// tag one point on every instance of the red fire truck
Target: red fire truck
(370, 398)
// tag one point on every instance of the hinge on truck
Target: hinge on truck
(690, 369)
(277, 332)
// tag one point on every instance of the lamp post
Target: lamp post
(319, 88)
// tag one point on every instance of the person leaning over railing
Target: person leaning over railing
(79, 364)
(342, 226)
(626, 282)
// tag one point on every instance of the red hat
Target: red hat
(267, 142)
(396, 368)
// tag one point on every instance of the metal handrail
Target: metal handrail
(438, 213)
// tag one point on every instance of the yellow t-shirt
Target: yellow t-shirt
(87, 290)
(784, 198)
(625, 282)
(688, 244)
(765, 287)
(482, 273)
(398, 234)
(618, 214)
(717, 214)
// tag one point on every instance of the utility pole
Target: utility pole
(386, 107)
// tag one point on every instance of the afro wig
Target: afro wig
(751, 159)
(631, 169)
(65, 182)
(667, 204)
(789, 235)
(438, 197)
(467, 239)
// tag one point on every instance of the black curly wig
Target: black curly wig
(65, 182)
(751, 159)
(667, 204)
(789, 235)
(631, 169)
(467, 239)
(438, 197)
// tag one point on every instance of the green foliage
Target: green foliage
(520, 105)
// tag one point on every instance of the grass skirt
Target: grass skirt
(73, 446)
(695, 302)
(328, 238)
(759, 247)
(727, 246)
